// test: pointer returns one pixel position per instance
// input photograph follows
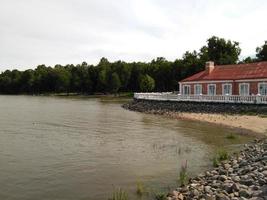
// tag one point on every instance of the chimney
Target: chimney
(209, 66)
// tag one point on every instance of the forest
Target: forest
(113, 77)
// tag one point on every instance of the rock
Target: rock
(239, 178)
(207, 189)
(181, 196)
(223, 178)
(222, 197)
(247, 182)
(264, 173)
(227, 187)
(244, 193)
(235, 187)
(195, 192)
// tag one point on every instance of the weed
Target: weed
(183, 174)
(220, 155)
(140, 189)
(160, 196)
(119, 194)
(231, 136)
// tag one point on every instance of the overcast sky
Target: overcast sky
(53, 32)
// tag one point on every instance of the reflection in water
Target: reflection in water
(81, 148)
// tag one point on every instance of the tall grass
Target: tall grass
(220, 155)
(160, 196)
(119, 194)
(140, 189)
(183, 176)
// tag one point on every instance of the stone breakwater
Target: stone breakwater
(243, 176)
(161, 107)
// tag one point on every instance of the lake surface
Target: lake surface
(83, 148)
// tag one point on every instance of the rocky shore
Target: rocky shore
(243, 176)
(196, 107)
(245, 119)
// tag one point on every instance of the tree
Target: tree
(115, 83)
(262, 52)
(220, 51)
(146, 83)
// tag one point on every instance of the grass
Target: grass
(220, 155)
(119, 194)
(140, 189)
(160, 196)
(215, 161)
(183, 176)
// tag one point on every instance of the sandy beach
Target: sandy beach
(256, 124)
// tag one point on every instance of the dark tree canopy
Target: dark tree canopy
(112, 77)
(262, 52)
(220, 51)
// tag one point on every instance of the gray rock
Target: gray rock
(245, 193)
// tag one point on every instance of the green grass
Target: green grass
(215, 161)
(119, 194)
(140, 189)
(183, 176)
(160, 196)
(220, 155)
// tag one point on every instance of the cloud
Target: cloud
(48, 32)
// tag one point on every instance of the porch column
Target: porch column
(180, 88)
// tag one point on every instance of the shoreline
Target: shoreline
(254, 124)
(239, 176)
(247, 125)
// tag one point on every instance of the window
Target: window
(198, 89)
(244, 89)
(211, 89)
(186, 89)
(262, 88)
(227, 89)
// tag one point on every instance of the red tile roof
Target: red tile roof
(232, 72)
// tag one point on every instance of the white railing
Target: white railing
(168, 96)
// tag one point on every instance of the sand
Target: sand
(256, 124)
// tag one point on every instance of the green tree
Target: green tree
(115, 83)
(220, 51)
(146, 83)
(262, 52)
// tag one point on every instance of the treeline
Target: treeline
(112, 77)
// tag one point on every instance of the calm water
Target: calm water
(81, 148)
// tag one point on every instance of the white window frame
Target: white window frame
(209, 93)
(259, 85)
(223, 91)
(240, 84)
(195, 89)
(184, 86)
